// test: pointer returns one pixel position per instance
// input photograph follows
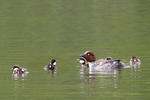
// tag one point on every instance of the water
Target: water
(32, 32)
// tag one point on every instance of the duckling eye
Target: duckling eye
(88, 54)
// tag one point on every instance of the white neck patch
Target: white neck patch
(92, 64)
(16, 69)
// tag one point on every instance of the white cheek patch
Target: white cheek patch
(22, 70)
(16, 69)
(114, 62)
(82, 61)
(54, 63)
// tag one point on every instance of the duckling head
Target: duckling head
(53, 62)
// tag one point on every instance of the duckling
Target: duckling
(83, 62)
(135, 61)
(18, 70)
(108, 58)
(51, 66)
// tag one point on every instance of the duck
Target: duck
(101, 64)
(18, 70)
(135, 61)
(51, 66)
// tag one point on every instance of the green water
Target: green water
(33, 31)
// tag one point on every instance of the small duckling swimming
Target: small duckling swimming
(51, 66)
(83, 62)
(115, 63)
(18, 70)
(108, 58)
(135, 61)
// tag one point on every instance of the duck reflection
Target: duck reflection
(104, 79)
(51, 74)
(18, 87)
(19, 76)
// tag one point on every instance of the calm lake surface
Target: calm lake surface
(34, 31)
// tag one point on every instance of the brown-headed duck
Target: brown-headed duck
(101, 64)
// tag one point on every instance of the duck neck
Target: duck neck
(91, 66)
(91, 63)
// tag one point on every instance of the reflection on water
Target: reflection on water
(106, 79)
(19, 76)
(17, 86)
(51, 73)
(32, 31)
(135, 68)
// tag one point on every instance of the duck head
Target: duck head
(15, 67)
(53, 62)
(52, 65)
(89, 56)
(133, 58)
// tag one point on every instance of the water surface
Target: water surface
(32, 32)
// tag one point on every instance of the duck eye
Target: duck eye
(88, 54)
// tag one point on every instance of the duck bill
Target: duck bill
(83, 55)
